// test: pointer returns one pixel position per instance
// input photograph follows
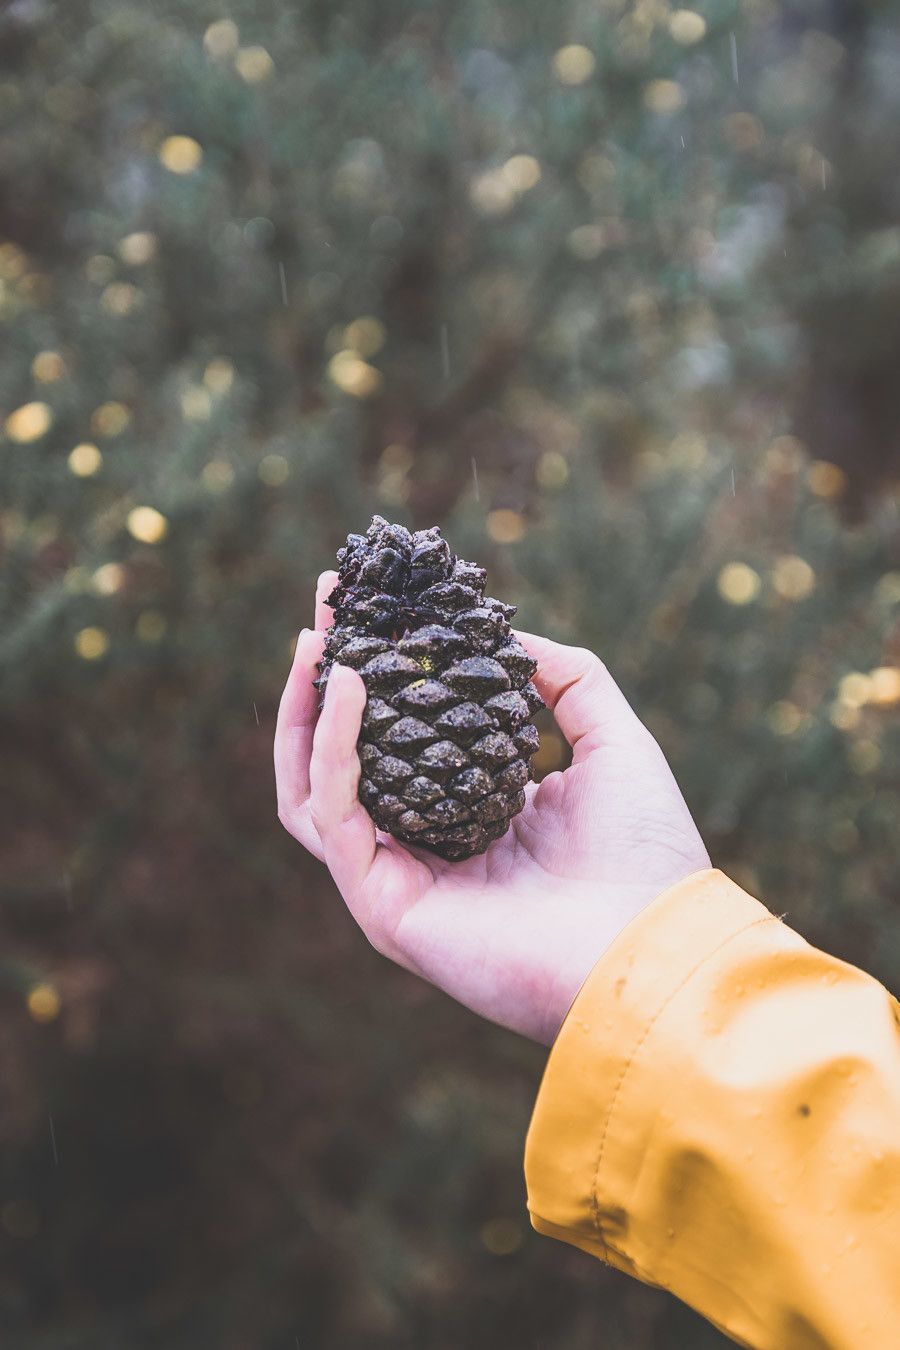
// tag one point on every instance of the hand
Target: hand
(514, 932)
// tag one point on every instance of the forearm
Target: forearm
(721, 1116)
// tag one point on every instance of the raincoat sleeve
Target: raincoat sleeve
(720, 1116)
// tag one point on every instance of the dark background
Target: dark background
(609, 291)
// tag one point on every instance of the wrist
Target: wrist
(609, 913)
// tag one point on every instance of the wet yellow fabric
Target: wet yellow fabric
(720, 1116)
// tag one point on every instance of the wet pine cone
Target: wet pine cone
(447, 735)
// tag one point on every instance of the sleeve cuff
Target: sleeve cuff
(582, 1155)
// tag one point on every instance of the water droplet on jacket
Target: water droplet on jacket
(670, 1232)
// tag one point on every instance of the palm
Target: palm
(512, 932)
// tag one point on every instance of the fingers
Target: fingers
(588, 705)
(294, 739)
(325, 585)
(343, 824)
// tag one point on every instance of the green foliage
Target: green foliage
(623, 320)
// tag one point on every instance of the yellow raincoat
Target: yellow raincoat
(720, 1116)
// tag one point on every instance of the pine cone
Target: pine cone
(447, 735)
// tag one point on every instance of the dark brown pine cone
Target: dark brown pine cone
(447, 735)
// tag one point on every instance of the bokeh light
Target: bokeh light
(147, 524)
(606, 291)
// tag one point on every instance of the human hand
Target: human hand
(514, 932)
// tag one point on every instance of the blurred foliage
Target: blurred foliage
(608, 290)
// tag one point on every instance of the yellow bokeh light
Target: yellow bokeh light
(826, 479)
(885, 686)
(663, 96)
(138, 248)
(522, 172)
(110, 419)
(217, 475)
(864, 756)
(574, 64)
(505, 526)
(365, 335)
(146, 524)
(687, 27)
(254, 64)
(502, 1237)
(36, 287)
(793, 578)
(273, 470)
(552, 470)
(491, 193)
(150, 626)
(786, 454)
(221, 38)
(47, 367)
(888, 589)
(43, 1002)
(29, 423)
(91, 643)
(181, 154)
(352, 375)
(99, 268)
(396, 456)
(844, 716)
(108, 578)
(689, 450)
(855, 688)
(85, 460)
(738, 583)
(196, 403)
(13, 262)
(219, 375)
(120, 298)
(785, 718)
(596, 172)
(743, 131)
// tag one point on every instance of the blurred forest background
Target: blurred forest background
(607, 288)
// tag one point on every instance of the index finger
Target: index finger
(588, 705)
